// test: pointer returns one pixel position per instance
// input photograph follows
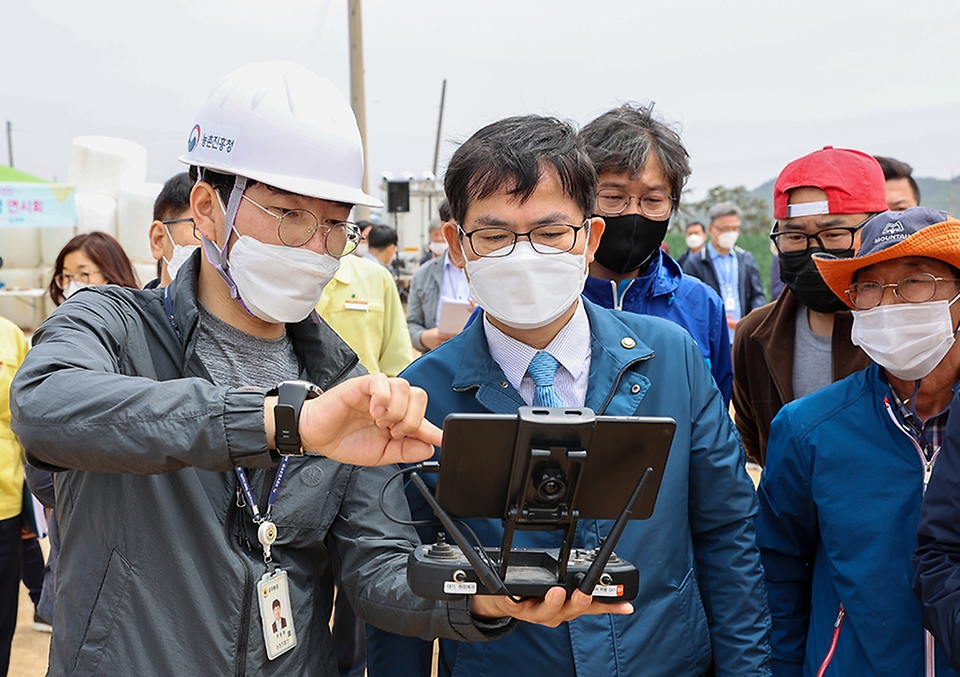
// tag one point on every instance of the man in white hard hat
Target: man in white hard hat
(159, 412)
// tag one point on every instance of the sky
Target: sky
(749, 84)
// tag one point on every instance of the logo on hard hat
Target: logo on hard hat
(194, 138)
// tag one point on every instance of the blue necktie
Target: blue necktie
(543, 368)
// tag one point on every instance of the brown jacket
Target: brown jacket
(763, 367)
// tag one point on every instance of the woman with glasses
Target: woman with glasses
(87, 260)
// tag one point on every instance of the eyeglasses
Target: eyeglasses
(828, 239)
(193, 231)
(913, 288)
(654, 204)
(551, 238)
(295, 228)
(83, 277)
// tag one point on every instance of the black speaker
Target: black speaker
(398, 196)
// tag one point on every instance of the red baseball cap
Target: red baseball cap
(853, 182)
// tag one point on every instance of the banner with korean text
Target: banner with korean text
(37, 205)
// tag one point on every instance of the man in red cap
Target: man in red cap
(801, 343)
(840, 497)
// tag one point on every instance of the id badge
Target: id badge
(276, 615)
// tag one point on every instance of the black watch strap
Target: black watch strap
(286, 414)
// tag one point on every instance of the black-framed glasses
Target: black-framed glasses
(551, 238)
(655, 204)
(913, 288)
(173, 222)
(83, 277)
(295, 228)
(837, 238)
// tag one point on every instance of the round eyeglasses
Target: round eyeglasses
(655, 204)
(828, 239)
(551, 238)
(295, 228)
(913, 288)
(83, 277)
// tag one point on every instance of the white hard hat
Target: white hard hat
(280, 124)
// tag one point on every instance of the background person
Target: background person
(902, 189)
(847, 466)
(87, 260)
(731, 271)
(801, 342)
(13, 348)
(172, 235)
(642, 167)
(695, 239)
(436, 279)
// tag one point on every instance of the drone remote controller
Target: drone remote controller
(441, 571)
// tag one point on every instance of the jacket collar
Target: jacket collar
(609, 358)
(661, 278)
(324, 356)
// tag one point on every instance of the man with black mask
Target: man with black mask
(801, 343)
(642, 166)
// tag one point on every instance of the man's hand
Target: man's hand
(368, 420)
(432, 338)
(551, 611)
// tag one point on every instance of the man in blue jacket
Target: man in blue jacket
(522, 191)
(847, 465)
(642, 167)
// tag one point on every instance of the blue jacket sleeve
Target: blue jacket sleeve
(787, 533)
(936, 562)
(721, 360)
(722, 506)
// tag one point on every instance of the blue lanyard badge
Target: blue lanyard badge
(267, 531)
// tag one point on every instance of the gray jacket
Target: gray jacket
(158, 568)
(423, 300)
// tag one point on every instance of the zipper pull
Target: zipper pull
(927, 471)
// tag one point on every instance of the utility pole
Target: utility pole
(357, 98)
(436, 148)
(10, 143)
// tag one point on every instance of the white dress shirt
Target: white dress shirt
(571, 347)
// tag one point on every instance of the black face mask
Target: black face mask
(800, 274)
(629, 242)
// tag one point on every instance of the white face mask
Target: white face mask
(72, 288)
(527, 290)
(728, 239)
(279, 283)
(437, 248)
(180, 255)
(906, 339)
(362, 249)
(695, 241)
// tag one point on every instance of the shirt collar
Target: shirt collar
(571, 347)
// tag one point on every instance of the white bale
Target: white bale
(20, 247)
(102, 164)
(145, 272)
(94, 212)
(134, 216)
(25, 311)
(52, 241)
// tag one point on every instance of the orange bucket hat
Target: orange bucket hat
(894, 235)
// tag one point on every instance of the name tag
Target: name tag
(354, 304)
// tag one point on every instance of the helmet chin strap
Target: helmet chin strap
(217, 256)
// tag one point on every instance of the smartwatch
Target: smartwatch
(286, 414)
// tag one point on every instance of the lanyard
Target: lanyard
(267, 530)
